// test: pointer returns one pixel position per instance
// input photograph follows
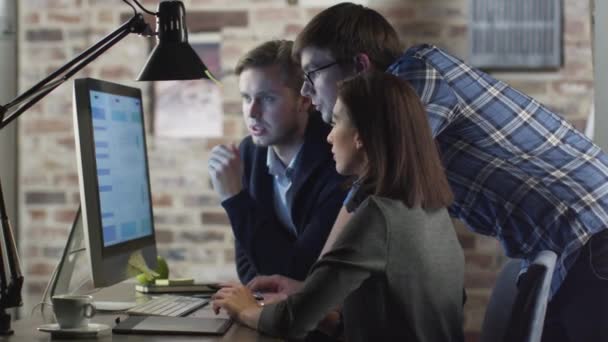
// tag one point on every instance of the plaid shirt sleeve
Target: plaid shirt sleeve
(518, 171)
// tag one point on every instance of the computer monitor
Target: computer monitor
(114, 181)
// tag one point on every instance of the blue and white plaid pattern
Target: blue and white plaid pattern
(518, 171)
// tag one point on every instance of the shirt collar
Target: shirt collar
(276, 166)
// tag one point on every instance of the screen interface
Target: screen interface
(122, 175)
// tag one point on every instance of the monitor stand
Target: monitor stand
(72, 274)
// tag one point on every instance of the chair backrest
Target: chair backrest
(516, 312)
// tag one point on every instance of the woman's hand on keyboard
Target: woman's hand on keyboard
(239, 303)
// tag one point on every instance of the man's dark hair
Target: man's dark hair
(347, 29)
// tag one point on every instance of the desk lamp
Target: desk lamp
(172, 59)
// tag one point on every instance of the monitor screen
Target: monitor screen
(115, 194)
(124, 197)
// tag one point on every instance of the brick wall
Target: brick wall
(193, 231)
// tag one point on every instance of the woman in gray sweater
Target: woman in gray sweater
(396, 268)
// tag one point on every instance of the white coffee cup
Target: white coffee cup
(73, 311)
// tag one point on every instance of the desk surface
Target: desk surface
(25, 329)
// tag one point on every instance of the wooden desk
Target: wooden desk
(25, 329)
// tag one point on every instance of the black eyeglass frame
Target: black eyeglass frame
(311, 72)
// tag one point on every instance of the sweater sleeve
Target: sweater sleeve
(265, 246)
(358, 253)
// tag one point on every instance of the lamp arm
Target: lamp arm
(31, 96)
(10, 293)
(10, 288)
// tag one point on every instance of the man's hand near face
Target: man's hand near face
(226, 170)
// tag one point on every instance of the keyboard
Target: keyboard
(168, 305)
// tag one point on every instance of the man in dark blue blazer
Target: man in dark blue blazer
(279, 187)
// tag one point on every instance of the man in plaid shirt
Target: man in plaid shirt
(518, 171)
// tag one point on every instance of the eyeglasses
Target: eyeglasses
(309, 75)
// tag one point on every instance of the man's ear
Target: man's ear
(362, 62)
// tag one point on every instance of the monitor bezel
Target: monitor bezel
(104, 260)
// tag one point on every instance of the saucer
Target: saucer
(90, 330)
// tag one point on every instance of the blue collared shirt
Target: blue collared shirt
(282, 180)
(518, 171)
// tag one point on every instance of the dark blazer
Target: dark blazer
(262, 244)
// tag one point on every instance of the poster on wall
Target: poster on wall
(192, 108)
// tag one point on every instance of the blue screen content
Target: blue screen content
(122, 176)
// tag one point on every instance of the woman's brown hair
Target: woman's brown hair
(403, 161)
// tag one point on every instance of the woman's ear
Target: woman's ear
(362, 63)
(358, 142)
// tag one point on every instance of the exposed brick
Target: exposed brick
(32, 18)
(52, 252)
(163, 236)
(479, 279)
(35, 287)
(61, 18)
(572, 87)
(440, 13)
(232, 108)
(202, 236)
(274, 15)
(37, 214)
(229, 256)
(105, 16)
(40, 268)
(65, 215)
(219, 218)
(231, 127)
(291, 30)
(177, 254)
(420, 29)
(44, 35)
(579, 124)
(47, 233)
(67, 143)
(528, 86)
(311, 12)
(32, 252)
(197, 201)
(486, 244)
(162, 200)
(467, 241)
(117, 72)
(51, 4)
(75, 198)
(171, 219)
(48, 126)
(481, 261)
(34, 180)
(210, 21)
(457, 30)
(575, 28)
(47, 53)
(204, 256)
(397, 14)
(39, 197)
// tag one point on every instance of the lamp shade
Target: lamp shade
(172, 58)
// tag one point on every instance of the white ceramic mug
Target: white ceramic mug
(73, 311)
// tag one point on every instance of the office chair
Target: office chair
(516, 313)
